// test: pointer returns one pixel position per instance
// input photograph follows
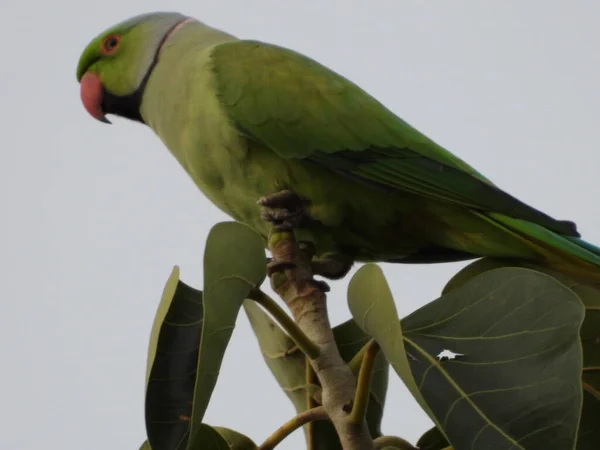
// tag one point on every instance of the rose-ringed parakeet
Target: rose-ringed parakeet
(247, 119)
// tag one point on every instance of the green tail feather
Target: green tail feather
(580, 242)
(554, 246)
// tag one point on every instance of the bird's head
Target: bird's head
(115, 66)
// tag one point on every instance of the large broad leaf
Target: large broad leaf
(288, 365)
(172, 361)
(235, 440)
(589, 431)
(208, 438)
(190, 336)
(213, 439)
(286, 362)
(171, 372)
(517, 384)
(234, 263)
(433, 439)
(372, 306)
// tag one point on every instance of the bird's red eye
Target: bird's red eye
(110, 44)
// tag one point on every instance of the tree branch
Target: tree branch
(292, 425)
(308, 305)
(307, 346)
(363, 389)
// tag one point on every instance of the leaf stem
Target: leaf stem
(393, 441)
(308, 347)
(310, 378)
(356, 361)
(363, 387)
(292, 425)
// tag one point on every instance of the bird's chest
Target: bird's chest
(232, 171)
(228, 170)
(211, 151)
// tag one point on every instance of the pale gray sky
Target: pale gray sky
(94, 217)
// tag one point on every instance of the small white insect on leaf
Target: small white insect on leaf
(447, 355)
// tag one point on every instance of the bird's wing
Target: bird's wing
(300, 109)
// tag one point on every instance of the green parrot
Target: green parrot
(249, 120)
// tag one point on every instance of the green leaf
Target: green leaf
(190, 335)
(161, 312)
(235, 440)
(234, 263)
(518, 385)
(145, 446)
(208, 438)
(391, 442)
(372, 307)
(589, 432)
(432, 439)
(286, 362)
(172, 361)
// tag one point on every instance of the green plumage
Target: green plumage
(247, 119)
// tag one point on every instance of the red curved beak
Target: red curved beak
(92, 93)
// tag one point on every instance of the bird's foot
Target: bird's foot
(284, 210)
(332, 267)
(280, 266)
(321, 285)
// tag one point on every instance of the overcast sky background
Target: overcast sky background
(93, 217)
